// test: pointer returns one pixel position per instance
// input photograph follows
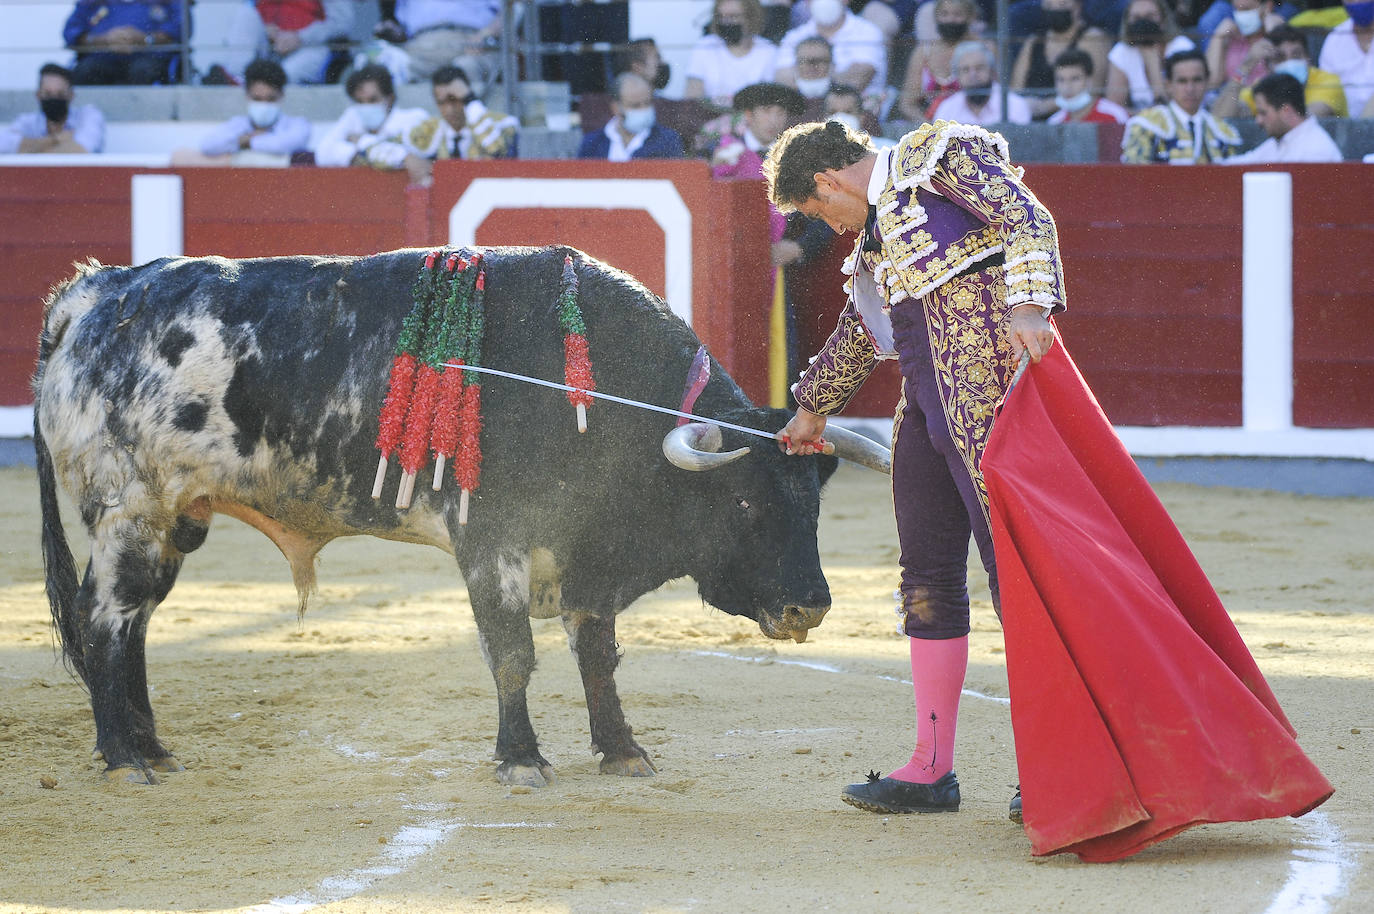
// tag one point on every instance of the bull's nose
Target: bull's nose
(800, 618)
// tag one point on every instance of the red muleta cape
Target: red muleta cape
(1136, 707)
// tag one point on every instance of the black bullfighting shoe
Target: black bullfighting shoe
(1014, 810)
(890, 795)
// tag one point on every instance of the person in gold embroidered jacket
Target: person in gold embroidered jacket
(954, 274)
(464, 129)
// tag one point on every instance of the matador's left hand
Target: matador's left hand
(1028, 329)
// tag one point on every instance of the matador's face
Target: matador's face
(839, 207)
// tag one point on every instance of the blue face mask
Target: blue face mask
(637, 120)
(1294, 68)
(372, 115)
(263, 114)
(1362, 14)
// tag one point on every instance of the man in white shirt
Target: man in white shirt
(56, 126)
(634, 131)
(1348, 51)
(980, 99)
(1281, 109)
(372, 130)
(859, 48)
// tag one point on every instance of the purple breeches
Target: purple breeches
(936, 495)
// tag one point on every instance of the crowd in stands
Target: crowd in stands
(1169, 72)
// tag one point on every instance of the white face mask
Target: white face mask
(813, 88)
(827, 12)
(372, 115)
(844, 117)
(263, 114)
(1248, 21)
(1294, 68)
(637, 120)
(1078, 102)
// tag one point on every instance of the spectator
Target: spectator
(295, 33)
(1349, 53)
(641, 57)
(1238, 51)
(858, 47)
(1294, 135)
(1062, 29)
(112, 40)
(633, 131)
(1073, 94)
(56, 126)
(764, 110)
(930, 68)
(1135, 64)
(372, 130)
(844, 103)
(813, 68)
(262, 136)
(464, 129)
(1213, 15)
(1181, 132)
(732, 55)
(980, 99)
(1324, 95)
(440, 33)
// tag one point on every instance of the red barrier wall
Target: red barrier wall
(1152, 265)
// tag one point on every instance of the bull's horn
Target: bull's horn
(855, 447)
(696, 446)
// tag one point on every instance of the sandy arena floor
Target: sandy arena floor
(343, 764)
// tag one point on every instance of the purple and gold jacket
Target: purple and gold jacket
(952, 200)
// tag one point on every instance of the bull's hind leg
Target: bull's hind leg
(499, 591)
(592, 639)
(128, 576)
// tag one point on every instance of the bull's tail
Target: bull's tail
(58, 565)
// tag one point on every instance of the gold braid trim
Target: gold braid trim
(972, 367)
(834, 376)
(980, 177)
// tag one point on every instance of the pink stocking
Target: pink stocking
(937, 677)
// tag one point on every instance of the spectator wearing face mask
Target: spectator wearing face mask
(858, 46)
(1239, 52)
(980, 99)
(1349, 53)
(263, 135)
(1074, 99)
(1062, 28)
(57, 126)
(844, 103)
(372, 130)
(732, 55)
(930, 68)
(1324, 96)
(1135, 64)
(813, 71)
(633, 131)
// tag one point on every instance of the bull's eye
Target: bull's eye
(741, 503)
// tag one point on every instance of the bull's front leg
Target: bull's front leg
(499, 592)
(592, 640)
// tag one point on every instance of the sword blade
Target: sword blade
(624, 401)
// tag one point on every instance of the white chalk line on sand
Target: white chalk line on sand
(1322, 864)
(405, 847)
(1318, 873)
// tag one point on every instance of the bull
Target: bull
(187, 386)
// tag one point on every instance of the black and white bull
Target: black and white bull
(183, 387)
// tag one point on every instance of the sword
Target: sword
(624, 401)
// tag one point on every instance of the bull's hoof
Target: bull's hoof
(164, 764)
(515, 775)
(630, 766)
(131, 775)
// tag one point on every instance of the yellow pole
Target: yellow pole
(777, 342)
